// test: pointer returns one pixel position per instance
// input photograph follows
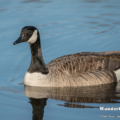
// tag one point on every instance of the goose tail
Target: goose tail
(117, 73)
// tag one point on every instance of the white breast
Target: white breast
(34, 79)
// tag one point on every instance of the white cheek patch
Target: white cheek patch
(33, 38)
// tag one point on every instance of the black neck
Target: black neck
(37, 63)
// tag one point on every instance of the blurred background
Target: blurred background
(66, 27)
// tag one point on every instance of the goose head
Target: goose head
(31, 35)
(28, 34)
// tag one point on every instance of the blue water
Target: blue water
(66, 27)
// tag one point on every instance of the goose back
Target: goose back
(86, 68)
(87, 61)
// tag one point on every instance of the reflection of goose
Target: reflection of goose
(73, 97)
(86, 94)
(80, 69)
(38, 108)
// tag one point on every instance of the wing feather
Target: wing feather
(78, 63)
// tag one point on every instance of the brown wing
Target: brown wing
(87, 61)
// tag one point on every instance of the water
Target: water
(65, 27)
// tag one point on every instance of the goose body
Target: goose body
(79, 69)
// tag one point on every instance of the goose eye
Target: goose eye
(29, 32)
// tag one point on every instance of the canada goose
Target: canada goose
(79, 69)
